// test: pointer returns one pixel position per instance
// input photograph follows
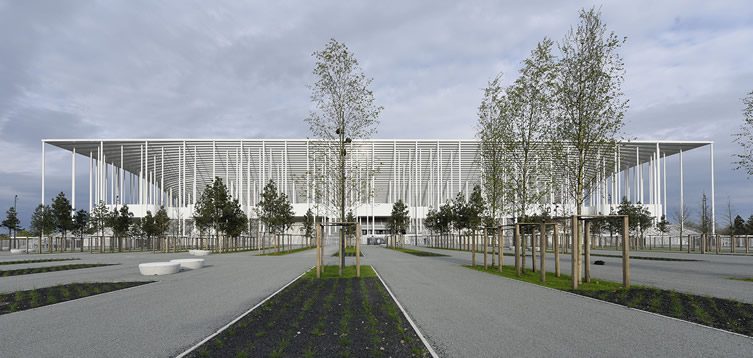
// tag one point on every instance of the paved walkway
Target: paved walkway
(160, 319)
(465, 313)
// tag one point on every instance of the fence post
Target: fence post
(516, 243)
(542, 247)
(318, 252)
(587, 249)
(555, 243)
(473, 249)
(574, 252)
(486, 251)
(499, 248)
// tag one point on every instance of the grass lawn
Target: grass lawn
(332, 317)
(27, 271)
(715, 312)
(34, 261)
(747, 279)
(415, 252)
(349, 251)
(24, 300)
(646, 258)
(286, 252)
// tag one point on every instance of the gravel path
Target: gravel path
(465, 313)
(160, 319)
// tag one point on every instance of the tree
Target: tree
(738, 228)
(589, 102)
(475, 208)
(149, 227)
(233, 221)
(11, 222)
(745, 137)
(344, 110)
(682, 217)
(493, 160)
(61, 210)
(430, 222)
(161, 222)
(308, 226)
(525, 129)
(120, 220)
(42, 223)
(99, 221)
(704, 217)
(80, 225)
(274, 210)
(208, 210)
(399, 219)
(749, 226)
(350, 230)
(459, 213)
(663, 226)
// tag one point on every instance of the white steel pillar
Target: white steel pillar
(162, 176)
(214, 160)
(664, 185)
(682, 195)
(73, 180)
(42, 172)
(713, 189)
(193, 187)
(91, 167)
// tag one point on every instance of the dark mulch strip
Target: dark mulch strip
(27, 271)
(716, 312)
(19, 262)
(24, 300)
(340, 317)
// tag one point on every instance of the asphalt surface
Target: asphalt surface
(159, 319)
(709, 276)
(465, 313)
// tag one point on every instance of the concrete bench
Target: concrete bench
(190, 264)
(159, 268)
(199, 252)
(17, 251)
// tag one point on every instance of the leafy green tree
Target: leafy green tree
(460, 213)
(81, 225)
(446, 218)
(208, 210)
(42, 222)
(590, 104)
(99, 222)
(11, 222)
(149, 227)
(525, 129)
(350, 230)
(120, 223)
(233, 221)
(475, 208)
(494, 107)
(308, 226)
(738, 226)
(61, 209)
(161, 223)
(749, 226)
(399, 219)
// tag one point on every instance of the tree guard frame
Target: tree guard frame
(320, 246)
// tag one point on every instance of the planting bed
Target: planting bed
(349, 252)
(286, 252)
(416, 252)
(327, 317)
(27, 271)
(24, 300)
(647, 258)
(34, 261)
(715, 312)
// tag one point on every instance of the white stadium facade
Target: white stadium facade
(148, 173)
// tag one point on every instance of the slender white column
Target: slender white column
(713, 189)
(121, 177)
(460, 165)
(141, 172)
(657, 186)
(162, 176)
(91, 167)
(42, 172)
(308, 178)
(193, 188)
(145, 191)
(214, 159)
(239, 159)
(682, 195)
(664, 185)
(73, 180)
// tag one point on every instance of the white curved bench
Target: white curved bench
(17, 251)
(190, 264)
(199, 252)
(159, 268)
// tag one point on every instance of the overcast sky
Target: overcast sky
(222, 69)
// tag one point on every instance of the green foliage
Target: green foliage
(120, 221)
(639, 218)
(589, 102)
(459, 212)
(161, 222)
(475, 208)
(399, 219)
(100, 218)
(663, 225)
(308, 224)
(738, 226)
(274, 209)
(350, 230)
(42, 221)
(61, 211)
(216, 211)
(80, 223)
(11, 220)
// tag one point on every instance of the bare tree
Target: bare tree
(682, 217)
(344, 110)
(745, 137)
(590, 104)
